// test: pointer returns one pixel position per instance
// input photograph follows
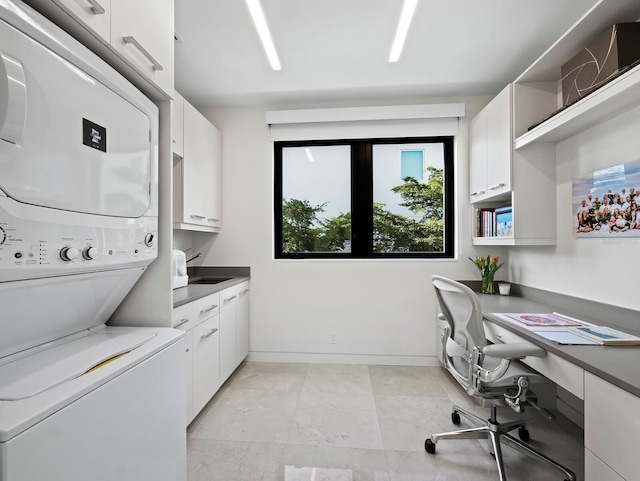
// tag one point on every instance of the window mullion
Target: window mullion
(361, 199)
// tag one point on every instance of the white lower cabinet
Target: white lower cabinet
(217, 341)
(611, 431)
(189, 369)
(228, 332)
(234, 328)
(242, 315)
(206, 362)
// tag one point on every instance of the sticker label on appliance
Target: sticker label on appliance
(94, 135)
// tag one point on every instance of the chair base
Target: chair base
(497, 434)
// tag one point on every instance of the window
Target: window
(375, 198)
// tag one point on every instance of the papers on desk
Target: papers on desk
(563, 329)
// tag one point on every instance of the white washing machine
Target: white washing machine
(79, 400)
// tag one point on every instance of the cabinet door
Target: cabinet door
(611, 413)
(242, 315)
(499, 143)
(478, 157)
(142, 33)
(94, 15)
(228, 332)
(189, 368)
(206, 362)
(201, 170)
(177, 125)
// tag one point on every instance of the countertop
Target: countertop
(191, 292)
(618, 365)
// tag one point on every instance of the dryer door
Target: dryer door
(67, 141)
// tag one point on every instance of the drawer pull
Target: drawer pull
(210, 333)
(209, 309)
(497, 186)
(230, 298)
(143, 51)
(181, 322)
(196, 216)
(96, 8)
(478, 193)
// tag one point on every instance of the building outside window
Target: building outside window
(374, 198)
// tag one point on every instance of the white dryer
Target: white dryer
(79, 400)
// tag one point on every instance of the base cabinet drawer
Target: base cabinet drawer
(611, 427)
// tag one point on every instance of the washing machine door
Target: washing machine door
(66, 140)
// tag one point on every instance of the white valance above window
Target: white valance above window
(425, 120)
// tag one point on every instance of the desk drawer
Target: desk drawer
(560, 371)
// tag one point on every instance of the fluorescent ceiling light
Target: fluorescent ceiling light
(263, 30)
(408, 9)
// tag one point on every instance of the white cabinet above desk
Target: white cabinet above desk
(500, 177)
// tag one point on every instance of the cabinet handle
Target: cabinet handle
(212, 219)
(96, 8)
(196, 216)
(186, 350)
(244, 291)
(209, 309)
(478, 193)
(497, 186)
(210, 333)
(181, 322)
(230, 298)
(143, 51)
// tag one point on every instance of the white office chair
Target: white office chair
(487, 371)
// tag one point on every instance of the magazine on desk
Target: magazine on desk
(563, 329)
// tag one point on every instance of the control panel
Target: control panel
(32, 248)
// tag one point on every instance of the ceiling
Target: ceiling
(337, 50)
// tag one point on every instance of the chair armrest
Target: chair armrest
(516, 350)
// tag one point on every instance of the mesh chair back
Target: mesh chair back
(461, 308)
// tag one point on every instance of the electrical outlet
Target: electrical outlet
(333, 337)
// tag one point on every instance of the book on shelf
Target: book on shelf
(606, 336)
(504, 221)
(494, 222)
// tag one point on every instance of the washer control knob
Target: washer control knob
(89, 253)
(69, 254)
(148, 239)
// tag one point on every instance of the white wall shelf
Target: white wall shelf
(619, 95)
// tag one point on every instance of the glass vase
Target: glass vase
(487, 283)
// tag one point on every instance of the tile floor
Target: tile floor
(330, 422)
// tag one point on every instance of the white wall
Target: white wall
(601, 269)
(382, 311)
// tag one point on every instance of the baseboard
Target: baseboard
(322, 358)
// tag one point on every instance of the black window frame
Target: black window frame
(362, 199)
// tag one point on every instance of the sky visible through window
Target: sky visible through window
(322, 174)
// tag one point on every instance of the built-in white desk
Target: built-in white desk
(606, 378)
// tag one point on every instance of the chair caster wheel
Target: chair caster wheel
(429, 446)
(455, 417)
(523, 434)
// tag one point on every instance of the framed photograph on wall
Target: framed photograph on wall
(606, 202)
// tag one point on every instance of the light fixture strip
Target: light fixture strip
(263, 30)
(408, 9)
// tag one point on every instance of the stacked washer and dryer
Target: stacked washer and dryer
(79, 400)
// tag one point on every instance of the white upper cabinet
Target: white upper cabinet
(490, 150)
(177, 125)
(197, 176)
(142, 33)
(95, 15)
(135, 37)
